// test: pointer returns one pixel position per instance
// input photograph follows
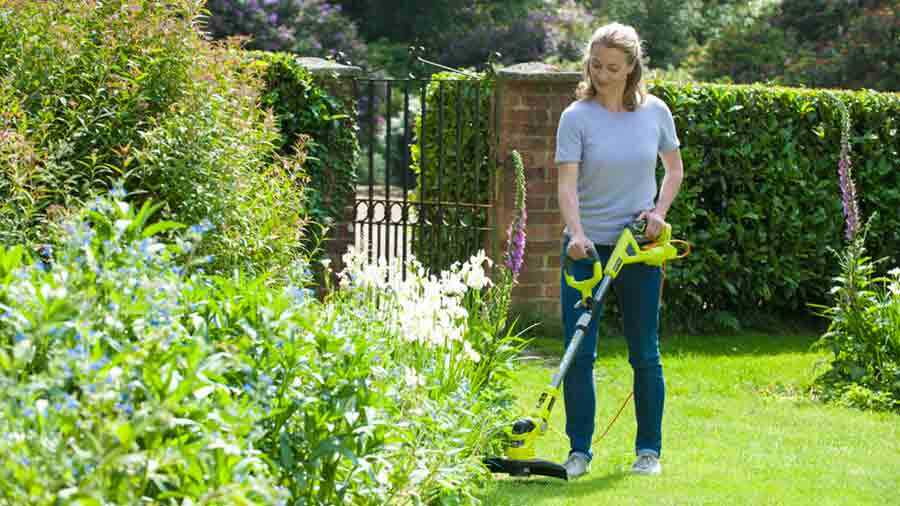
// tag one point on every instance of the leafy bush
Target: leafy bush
(80, 85)
(815, 43)
(666, 27)
(522, 39)
(305, 27)
(555, 30)
(111, 392)
(126, 377)
(128, 88)
(326, 124)
(761, 200)
(870, 54)
(746, 53)
(864, 334)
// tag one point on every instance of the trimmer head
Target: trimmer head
(524, 468)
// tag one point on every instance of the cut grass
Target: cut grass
(739, 428)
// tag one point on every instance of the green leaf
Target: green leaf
(161, 226)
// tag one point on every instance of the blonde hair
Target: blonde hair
(624, 38)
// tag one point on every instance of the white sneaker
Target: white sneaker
(646, 464)
(577, 465)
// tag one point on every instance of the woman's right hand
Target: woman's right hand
(578, 247)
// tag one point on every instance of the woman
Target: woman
(607, 144)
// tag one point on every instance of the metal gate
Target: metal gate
(427, 170)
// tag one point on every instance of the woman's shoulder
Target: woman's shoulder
(576, 113)
(577, 108)
(652, 102)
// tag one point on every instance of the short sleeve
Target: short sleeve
(668, 137)
(568, 139)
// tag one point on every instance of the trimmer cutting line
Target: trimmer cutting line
(632, 247)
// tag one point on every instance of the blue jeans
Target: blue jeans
(637, 290)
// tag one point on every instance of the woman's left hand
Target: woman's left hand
(655, 223)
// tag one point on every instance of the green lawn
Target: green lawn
(739, 429)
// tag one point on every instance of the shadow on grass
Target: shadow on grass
(546, 488)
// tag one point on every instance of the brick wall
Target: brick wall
(531, 98)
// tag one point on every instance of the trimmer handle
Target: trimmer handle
(638, 229)
(584, 286)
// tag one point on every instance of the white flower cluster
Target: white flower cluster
(894, 282)
(422, 308)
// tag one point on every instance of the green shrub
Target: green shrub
(129, 88)
(111, 393)
(665, 26)
(761, 200)
(814, 43)
(752, 52)
(127, 378)
(303, 107)
(307, 27)
(863, 336)
(83, 83)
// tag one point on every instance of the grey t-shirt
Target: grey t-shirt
(616, 155)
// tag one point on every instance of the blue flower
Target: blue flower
(144, 247)
(77, 351)
(118, 191)
(96, 366)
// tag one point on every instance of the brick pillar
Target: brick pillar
(531, 97)
(339, 80)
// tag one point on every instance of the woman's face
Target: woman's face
(608, 66)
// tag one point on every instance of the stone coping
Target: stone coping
(319, 66)
(538, 71)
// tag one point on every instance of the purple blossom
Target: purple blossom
(515, 243)
(845, 173)
(848, 191)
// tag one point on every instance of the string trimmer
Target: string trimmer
(631, 247)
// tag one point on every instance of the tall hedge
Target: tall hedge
(761, 201)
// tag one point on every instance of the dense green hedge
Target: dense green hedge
(457, 164)
(761, 201)
(303, 106)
